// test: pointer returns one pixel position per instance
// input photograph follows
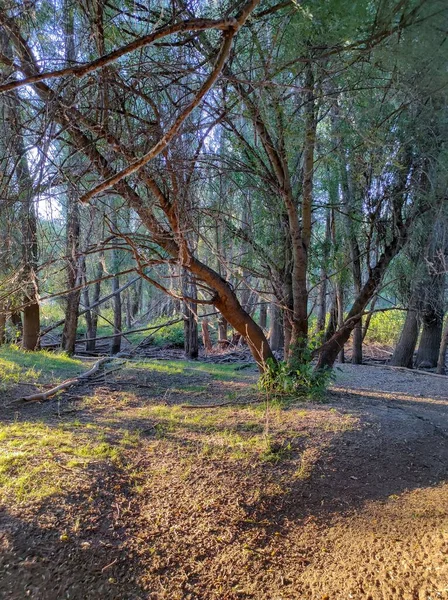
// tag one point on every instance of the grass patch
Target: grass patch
(37, 461)
(18, 365)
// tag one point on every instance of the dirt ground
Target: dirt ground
(344, 499)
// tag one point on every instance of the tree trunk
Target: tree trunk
(2, 326)
(31, 326)
(136, 299)
(429, 346)
(323, 287)
(403, 355)
(276, 338)
(222, 329)
(74, 274)
(191, 339)
(442, 352)
(94, 312)
(116, 341)
(206, 336)
(340, 313)
(365, 329)
(330, 349)
(263, 315)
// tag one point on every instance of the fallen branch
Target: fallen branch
(41, 396)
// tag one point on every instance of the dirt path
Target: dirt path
(343, 500)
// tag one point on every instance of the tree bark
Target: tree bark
(442, 352)
(74, 274)
(206, 336)
(191, 338)
(263, 315)
(2, 325)
(403, 355)
(222, 329)
(429, 346)
(276, 340)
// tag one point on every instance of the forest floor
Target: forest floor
(129, 487)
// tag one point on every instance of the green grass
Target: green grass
(38, 461)
(18, 365)
(184, 367)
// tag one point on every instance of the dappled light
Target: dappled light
(223, 300)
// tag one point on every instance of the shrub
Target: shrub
(385, 327)
(288, 381)
(173, 335)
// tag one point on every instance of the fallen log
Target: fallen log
(65, 385)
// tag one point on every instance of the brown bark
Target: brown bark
(191, 339)
(73, 274)
(331, 349)
(206, 340)
(403, 355)
(222, 329)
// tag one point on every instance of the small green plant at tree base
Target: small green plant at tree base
(296, 378)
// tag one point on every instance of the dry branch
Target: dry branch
(42, 396)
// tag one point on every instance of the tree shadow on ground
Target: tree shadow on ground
(72, 546)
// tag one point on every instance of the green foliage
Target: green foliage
(385, 327)
(286, 382)
(173, 335)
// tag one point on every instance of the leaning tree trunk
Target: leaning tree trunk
(403, 355)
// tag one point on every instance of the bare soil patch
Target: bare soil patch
(343, 499)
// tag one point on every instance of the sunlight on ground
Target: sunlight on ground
(18, 365)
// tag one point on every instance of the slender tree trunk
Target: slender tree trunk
(222, 329)
(116, 341)
(331, 348)
(136, 299)
(276, 340)
(31, 312)
(442, 352)
(263, 315)
(74, 274)
(323, 287)
(206, 340)
(2, 325)
(92, 332)
(191, 339)
(369, 318)
(340, 313)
